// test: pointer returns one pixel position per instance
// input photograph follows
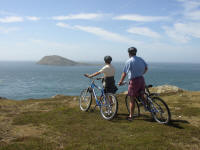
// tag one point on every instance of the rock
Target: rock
(164, 89)
(3, 97)
(167, 89)
(58, 96)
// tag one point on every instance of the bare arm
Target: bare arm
(122, 78)
(92, 75)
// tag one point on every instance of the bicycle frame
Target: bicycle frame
(93, 86)
(107, 102)
(149, 100)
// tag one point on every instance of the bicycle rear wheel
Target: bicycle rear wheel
(85, 100)
(109, 106)
(160, 111)
(137, 108)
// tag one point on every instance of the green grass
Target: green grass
(64, 126)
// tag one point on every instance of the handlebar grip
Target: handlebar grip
(149, 86)
(99, 78)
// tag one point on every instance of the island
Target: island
(56, 60)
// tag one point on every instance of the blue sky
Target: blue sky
(87, 30)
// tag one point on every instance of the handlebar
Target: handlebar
(146, 86)
(93, 78)
(124, 83)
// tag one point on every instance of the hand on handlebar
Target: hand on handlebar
(122, 83)
(87, 75)
(119, 83)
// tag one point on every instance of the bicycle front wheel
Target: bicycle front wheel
(137, 108)
(160, 111)
(85, 100)
(109, 106)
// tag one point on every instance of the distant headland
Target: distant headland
(55, 60)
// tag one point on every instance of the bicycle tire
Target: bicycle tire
(85, 99)
(137, 108)
(109, 107)
(158, 112)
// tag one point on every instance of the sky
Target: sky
(88, 30)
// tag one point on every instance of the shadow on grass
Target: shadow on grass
(123, 116)
(177, 123)
(173, 123)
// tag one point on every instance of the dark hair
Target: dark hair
(108, 59)
(132, 51)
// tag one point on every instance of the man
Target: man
(135, 67)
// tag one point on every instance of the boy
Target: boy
(109, 72)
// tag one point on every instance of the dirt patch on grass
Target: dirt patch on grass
(27, 130)
(194, 146)
(13, 133)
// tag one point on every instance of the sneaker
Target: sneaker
(129, 118)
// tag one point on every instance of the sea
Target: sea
(28, 80)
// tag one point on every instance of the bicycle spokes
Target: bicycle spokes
(160, 110)
(109, 107)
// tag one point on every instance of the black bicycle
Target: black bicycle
(155, 105)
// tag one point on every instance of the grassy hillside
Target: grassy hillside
(58, 124)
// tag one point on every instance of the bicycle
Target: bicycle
(107, 102)
(155, 105)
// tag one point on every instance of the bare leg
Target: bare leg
(132, 106)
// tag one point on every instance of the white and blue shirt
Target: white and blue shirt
(135, 67)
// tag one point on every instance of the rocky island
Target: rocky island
(56, 60)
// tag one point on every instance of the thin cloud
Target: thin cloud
(175, 35)
(7, 30)
(191, 9)
(11, 19)
(83, 16)
(64, 25)
(190, 4)
(139, 18)
(144, 32)
(6, 13)
(183, 32)
(100, 32)
(52, 44)
(33, 18)
(195, 15)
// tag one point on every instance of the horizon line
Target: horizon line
(103, 62)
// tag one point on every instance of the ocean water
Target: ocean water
(24, 80)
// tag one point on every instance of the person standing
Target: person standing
(134, 67)
(109, 72)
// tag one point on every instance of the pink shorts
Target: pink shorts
(136, 87)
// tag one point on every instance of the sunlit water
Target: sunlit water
(24, 80)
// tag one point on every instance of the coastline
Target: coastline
(160, 90)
